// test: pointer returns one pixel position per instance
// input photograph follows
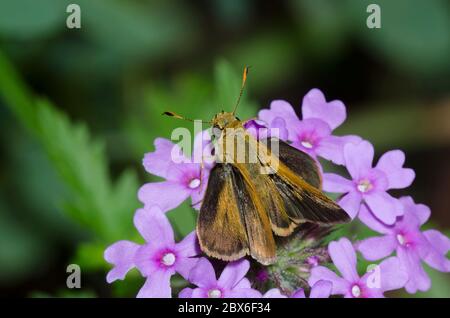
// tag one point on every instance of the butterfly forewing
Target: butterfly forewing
(297, 161)
(299, 185)
(230, 224)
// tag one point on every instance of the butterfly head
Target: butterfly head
(223, 120)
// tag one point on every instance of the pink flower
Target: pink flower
(231, 283)
(411, 245)
(158, 259)
(312, 134)
(260, 129)
(369, 185)
(388, 275)
(184, 176)
(273, 293)
(321, 289)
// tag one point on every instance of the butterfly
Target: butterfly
(255, 193)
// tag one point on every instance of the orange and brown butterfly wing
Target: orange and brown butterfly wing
(232, 222)
(305, 203)
(298, 182)
(300, 163)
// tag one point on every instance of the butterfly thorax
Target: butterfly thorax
(223, 121)
(234, 145)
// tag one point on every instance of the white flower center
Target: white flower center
(214, 293)
(194, 183)
(307, 144)
(364, 186)
(356, 291)
(168, 259)
(401, 239)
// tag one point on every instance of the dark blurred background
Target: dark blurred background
(80, 107)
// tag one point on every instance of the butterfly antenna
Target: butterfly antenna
(175, 115)
(244, 79)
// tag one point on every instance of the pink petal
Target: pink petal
(351, 203)
(418, 279)
(279, 124)
(202, 149)
(410, 223)
(343, 256)
(261, 130)
(321, 289)
(440, 244)
(147, 259)
(243, 283)
(378, 179)
(167, 195)
(233, 273)
(188, 246)
(154, 226)
(392, 274)
(121, 254)
(186, 293)
(242, 293)
(183, 172)
(358, 158)
(309, 151)
(438, 241)
(299, 293)
(280, 108)
(274, 293)
(203, 274)
(420, 211)
(367, 217)
(391, 163)
(332, 147)
(313, 129)
(257, 128)
(199, 293)
(318, 273)
(184, 266)
(159, 161)
(157, 286)
(336, 184)
(198, 194)
(315, 106)
(375, 248)
(383, 206)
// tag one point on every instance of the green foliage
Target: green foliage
(103, 206)
(415, 34)
(20, 249)
(40, 18)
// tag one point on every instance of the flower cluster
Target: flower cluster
(401, 247)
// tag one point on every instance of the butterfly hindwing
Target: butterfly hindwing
(298, 161)
(304, 202)
(297, 181)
